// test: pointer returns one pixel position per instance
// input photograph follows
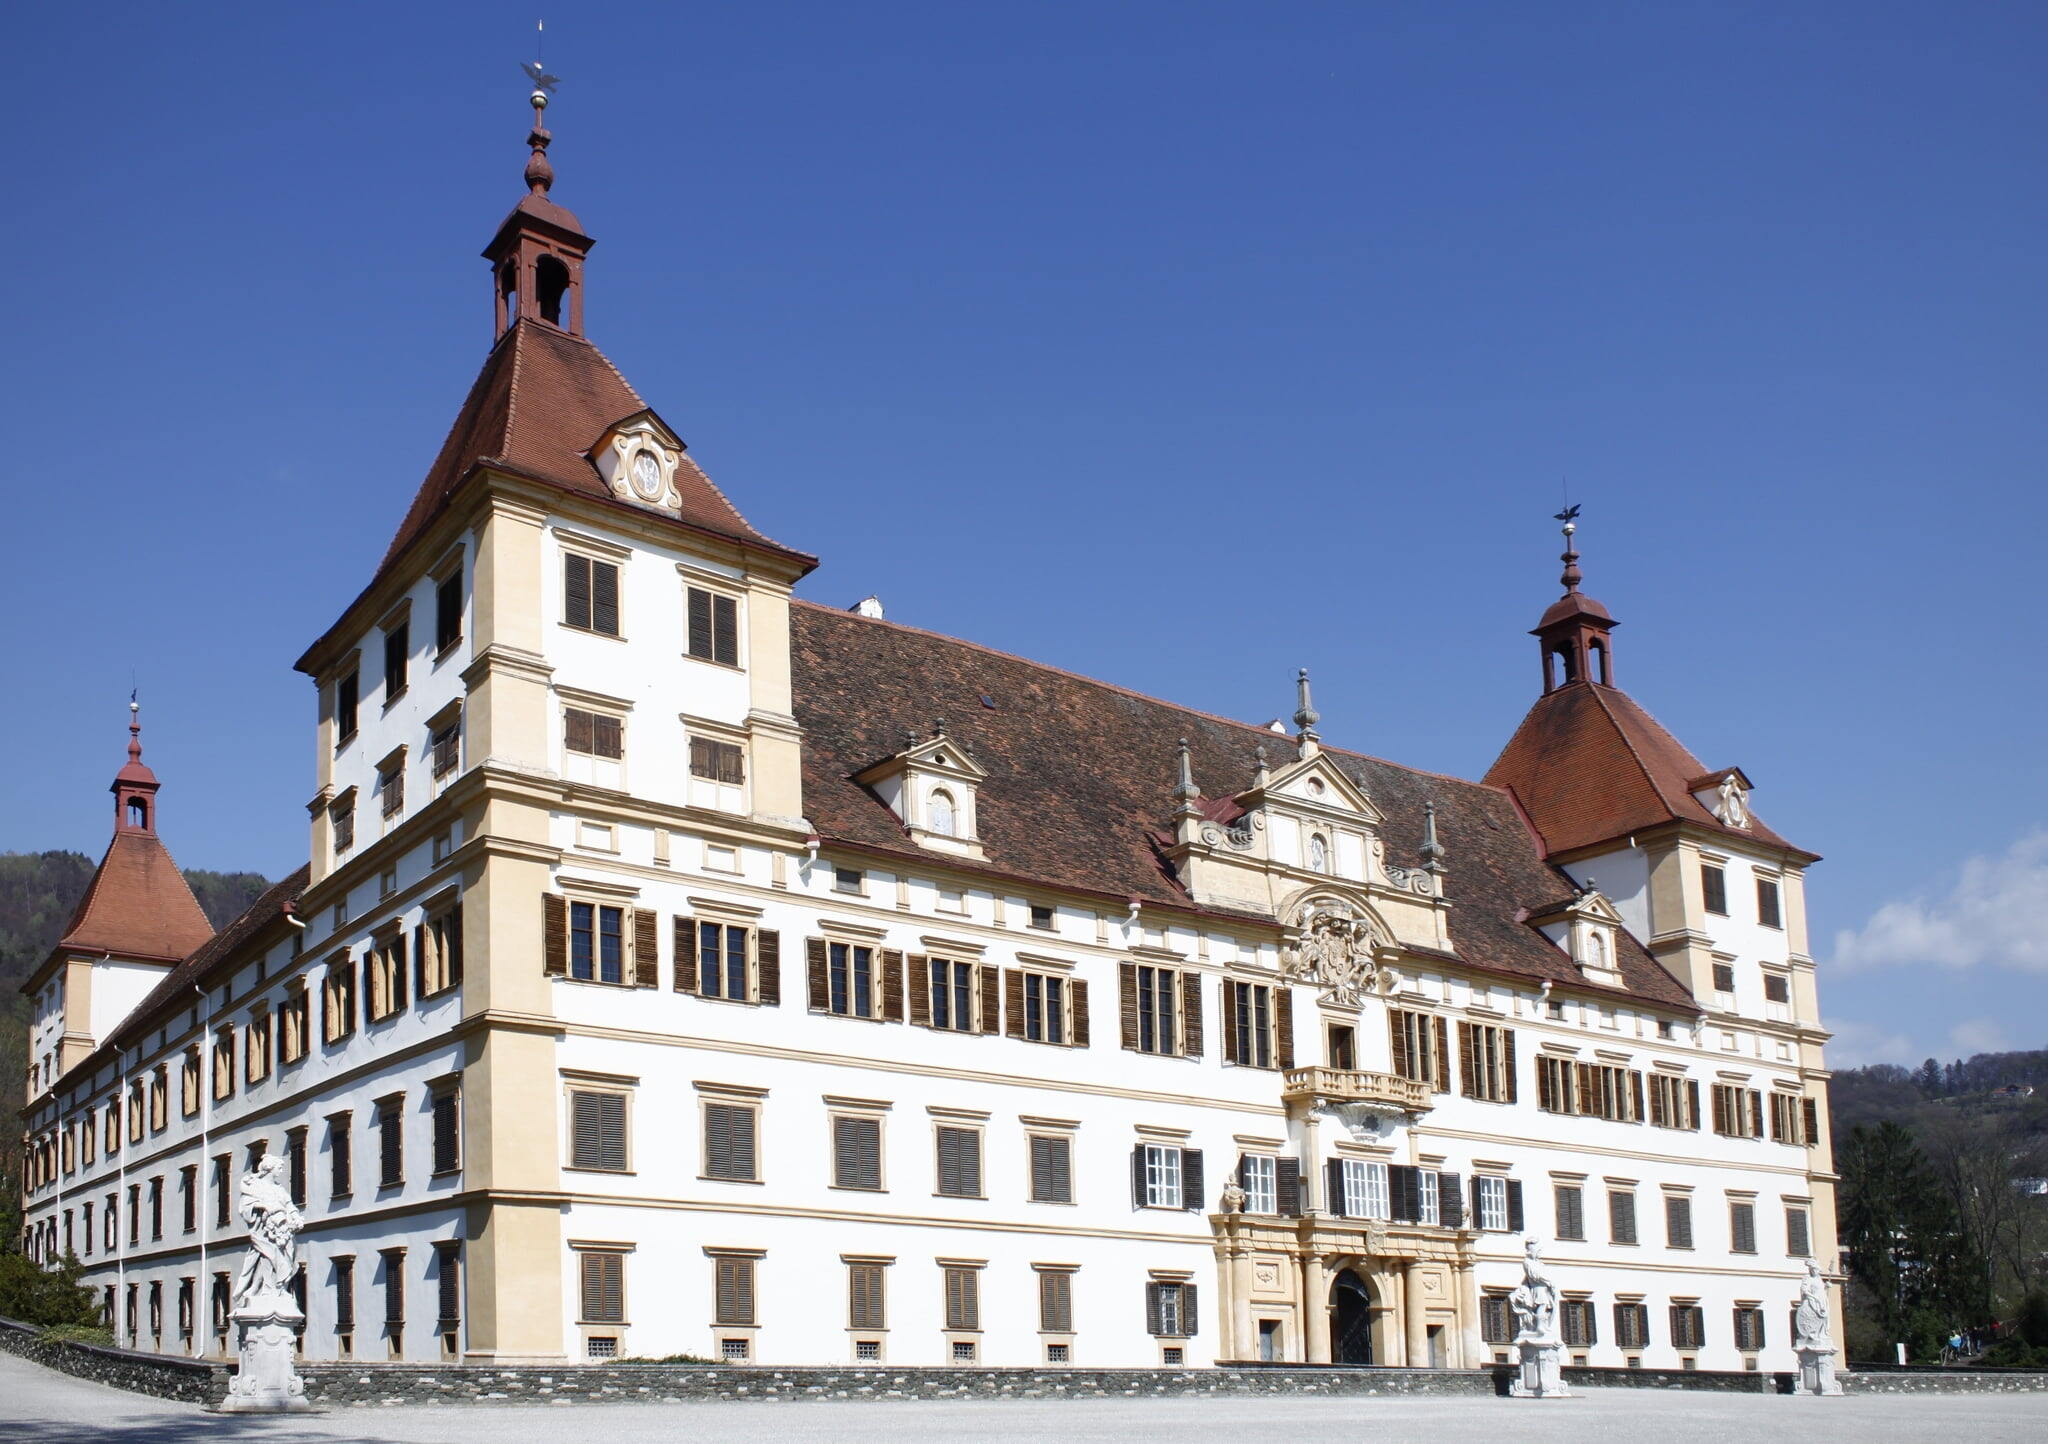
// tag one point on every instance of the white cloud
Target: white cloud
(1996, 914)
(1857, 1045)
(1980, 1035)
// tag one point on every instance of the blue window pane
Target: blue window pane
(580, 940)
(610, 958)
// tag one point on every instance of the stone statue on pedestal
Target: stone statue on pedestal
(265, 1311)
(1810, 1337)
(1537, 1340)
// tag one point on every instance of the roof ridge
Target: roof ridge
(1132, 692)
(1629, 742)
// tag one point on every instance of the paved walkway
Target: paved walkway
(38, 1406)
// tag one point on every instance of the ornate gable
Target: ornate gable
(933, 787)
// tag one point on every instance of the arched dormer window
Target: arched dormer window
(1596, 950)
(944, 817)
(1318, 853)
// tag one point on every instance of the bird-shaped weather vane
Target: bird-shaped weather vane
(1570, 514)
(543, 83)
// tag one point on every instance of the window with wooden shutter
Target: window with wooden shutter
(722, 762)
(733, 1301)
(447, 1131)
(1496, 1319)
(1678, 1220)
(714, 627)
(1055, 1301)
(394, 1290)
(1154, 1016)
(1632, 1325)
(597, 1124)
(856, 1152)
(1157, 1176)
(1490, 1201)
(1421, 1044)
(1486, 1062)
(847, 980)
(554, 935)
(448, 1277)
(1248, 1024)
(448, 611)
(347, 704)
(1571, 1211)
(944, 995)
(1714, 888)
(959, 1161)
(390, 1143)
(604, 1287)
(1450, 1194)
(1556, 1084)
(867, 1299)
(1688, 1326)
(1809, 1113)
(1742, 1227)
(1259, 1178)
(1724, 977)
(729, 1151)
(341, 1165)
(1621, 1215)
(963, 1298)
(1749, 1328)
(1767, 911)
(590, 595)
(646, 948)
(1579, 1325)
(1798, 1231)
(344, 1293)
(397, 649)
(1170, 1310)
(1052, 1168)
(596, 950)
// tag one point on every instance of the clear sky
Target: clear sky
(1180, 344)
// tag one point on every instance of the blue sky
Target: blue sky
(1179, 344)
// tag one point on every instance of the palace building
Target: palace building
(685, 968)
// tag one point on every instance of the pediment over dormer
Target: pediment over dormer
(933, 787)
(638, 458)
(1318, 784)
(1588, 930)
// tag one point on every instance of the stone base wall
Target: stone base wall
(1947, 1381)
(1729, 1381)
(187, 1380)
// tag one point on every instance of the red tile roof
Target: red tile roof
(138, 905)
(1589, 766)
(1080, 776)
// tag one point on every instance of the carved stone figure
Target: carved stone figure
(1810, 1337)
(1336, 950)
(1733, 806)
(267, 1380)
(1232, 1198)
(1541, 1347)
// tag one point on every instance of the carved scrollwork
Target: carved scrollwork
(1335, 946)
(1237, 839)
(1406, 879)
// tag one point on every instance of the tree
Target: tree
(1901, 1237)
(46, 1297)
(1929, 1079)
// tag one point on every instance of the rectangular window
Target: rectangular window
(1055, 1301)
(602, 1295)
(597, 1130)
(963, 1298)
(593, 734)
(1724, 977)
(448, 1278)
(1738, 1111)
(447, 1131)
(1248, 1014)
(1798, 1231)
(1749, 1328)
(1496, 1319)
(1041, 916)
(1491, 1194)
(1052, 1168)
(397, 647)
(347, 704)
(295, 1164)
(1688, 1326)
(448, 611)
(1621, 1215)
(1714, 888)
(1258, 1175)
(959, 1161)
(867, 1296)
(1343, 1049)
(856, 1152)
(1429, 1195)
(223, 1191)
(188, 1199)
(1786, 1126)
(849, 879)
(1678, 1220)
(950, 988)
(341, 1165)
(1045, 1007)
(1580, 1331)
(437, 952)
(1604, 1091)
(597, 947)
(1157, 993)
(344, 1294)
(390, 1143)
(384, 977)
(292, 1030)
(721, 762)
(1777, 988)
(1742, 1227)
(722, 970)
(1170, 1310)
(1364, 1185)
(1420, 1041)
(391, 790)
(1486, 1062)
(1160, 1166)
(156, 1210)
(394, 1298)
(733, 1291)
(1674, 1101)
(224, 1063)
(1571, 1211)
(1767, 903)
(714, 627)
(729, 1147)
(338, 999)
(590, 595)
(444, 747)
(851, 980)
(1632, 1325)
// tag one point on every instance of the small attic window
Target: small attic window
(944, 818)
(1315, 787)
(1596, 950)
(939, 759)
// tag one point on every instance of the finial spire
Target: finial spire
(1260, 772)
(1305, 718)
(539, 174)
(134, 727)
(1432, 850)
(1184, 790)
(1572, 575)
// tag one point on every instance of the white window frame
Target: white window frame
(1260, 1180)
(1163, 1183)
(1492, 1197)
(1428, 1196)
(1366, 1190)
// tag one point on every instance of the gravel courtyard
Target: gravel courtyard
(41, 1407)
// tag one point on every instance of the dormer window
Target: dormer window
(943, 819)
(932, 788)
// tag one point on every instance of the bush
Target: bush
(47, 1297)
(79, 1334)
(664, 1359)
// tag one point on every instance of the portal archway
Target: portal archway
(1350, 1319)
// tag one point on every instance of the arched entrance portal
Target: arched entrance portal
(1350, 1320)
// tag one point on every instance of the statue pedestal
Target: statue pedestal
(1817, 1370)
(267, 1379)
(1541, 1375)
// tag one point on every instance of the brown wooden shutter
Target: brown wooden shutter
(1193, 1193)
(1756, 1114)
(398, 971)
(768, 963)
(1635, 1096)
(604, 1291)
(1467, 1056)
(685, 930)
(735, 1300)
(1659, 1086)
(1450, 1200)
(1809, 1110)
(1397, 1036)
(419, 960)
(1077, 994)
(1507, 1064)
(576, 729)
(1154, 1315)
(576, 591)
(1191, 1011)
(1443, 1060)
(814, 960)
(892, 986)
(1013, 1004)
(920, 990)
(1127, 989)
(452, 940)
(1227, 1000)
(1404, 1189)
(1287, 1186)
(646, 948)
(1055, 1302)
(990, 1000)
(1333, 1187)
(700, 623)
(554, 935)
(1515, 1205)
(1138, 1176)
(1283, 1025)
(857, 1152)
(726, 629)
(604, 598)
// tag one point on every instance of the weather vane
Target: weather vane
(1570, 517)
(543, 83)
